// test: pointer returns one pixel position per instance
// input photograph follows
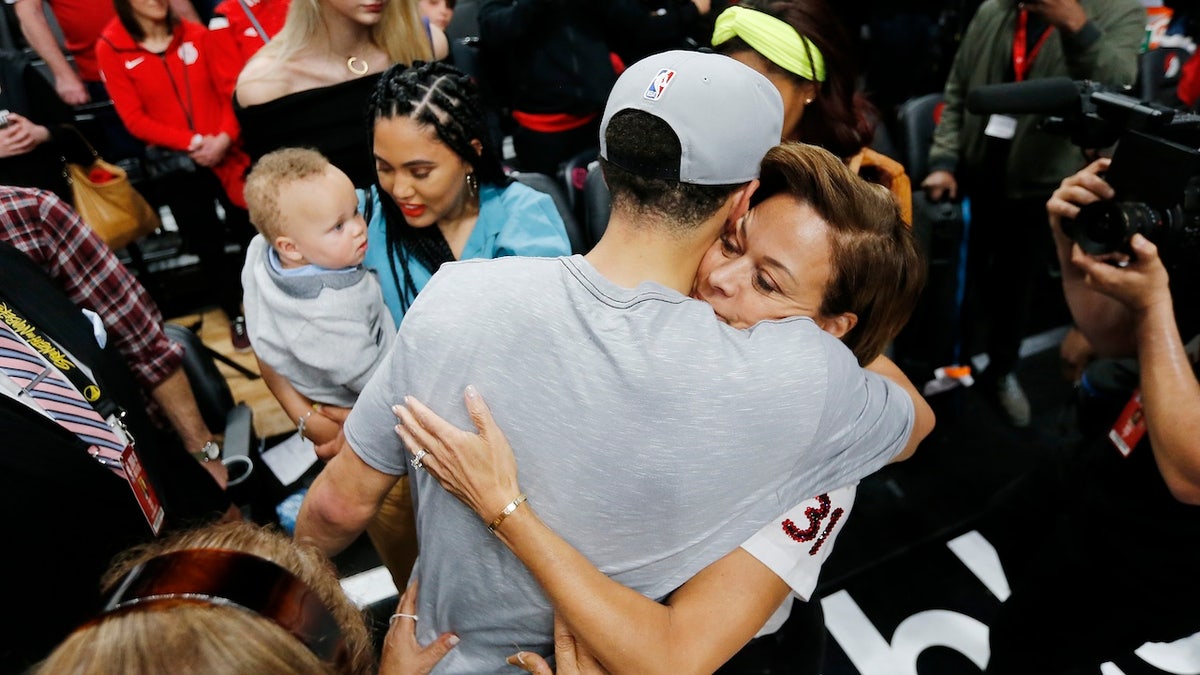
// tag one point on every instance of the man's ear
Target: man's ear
(740, 201)
(286, 248)
(838, 325)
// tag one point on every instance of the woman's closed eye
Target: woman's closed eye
(729, 243)
(764, 283)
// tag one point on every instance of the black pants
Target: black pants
(1099, 557)
(1009, 243)
(192, 198)
(544, 153)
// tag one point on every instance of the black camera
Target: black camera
(1155, 170)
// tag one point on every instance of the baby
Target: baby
(314, 313)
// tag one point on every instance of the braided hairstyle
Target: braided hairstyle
(439, 96)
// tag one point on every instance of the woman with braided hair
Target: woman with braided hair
(439, 195)
(440, 192)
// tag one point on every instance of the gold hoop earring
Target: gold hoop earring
(350, 66)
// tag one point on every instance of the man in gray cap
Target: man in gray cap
(650, 435)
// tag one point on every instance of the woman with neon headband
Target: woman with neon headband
(801, 47)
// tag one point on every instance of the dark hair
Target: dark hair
(130, 23)
(439, 96)
(840, 119)
(877, 271)
(646, 140)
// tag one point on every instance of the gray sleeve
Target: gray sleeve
(867, 421)
(370, 428)
(1106, 49)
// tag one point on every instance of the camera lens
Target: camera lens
(1105, 227)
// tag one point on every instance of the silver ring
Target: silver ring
(416, 460)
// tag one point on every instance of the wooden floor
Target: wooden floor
(269, 417)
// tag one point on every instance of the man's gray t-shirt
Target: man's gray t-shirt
(648, 434)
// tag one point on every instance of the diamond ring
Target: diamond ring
(416, 460)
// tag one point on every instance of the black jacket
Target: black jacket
(67, 515)
(555, 55)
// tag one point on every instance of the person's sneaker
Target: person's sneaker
(238, 334)
(1013, 402)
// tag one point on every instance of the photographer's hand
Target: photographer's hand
(1104, 321)
(1079, 189)
(1138, 285)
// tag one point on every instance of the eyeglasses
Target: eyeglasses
(232, 579)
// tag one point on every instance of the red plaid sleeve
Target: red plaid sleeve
(41, 226)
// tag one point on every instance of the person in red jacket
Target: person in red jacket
(238, 29)
(159, 74)
(1188, 90)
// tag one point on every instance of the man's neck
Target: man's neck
(631, 253)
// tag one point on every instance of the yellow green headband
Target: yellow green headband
(775, 39)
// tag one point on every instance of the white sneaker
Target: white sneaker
(1012, 400)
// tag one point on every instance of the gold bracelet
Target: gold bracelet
(512, 506)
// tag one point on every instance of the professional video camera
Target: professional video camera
(1155, 169)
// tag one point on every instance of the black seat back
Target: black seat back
(1158, 74)
(917, 118)
(211, 390)
(597, 204)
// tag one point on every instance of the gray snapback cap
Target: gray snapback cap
(725, 114)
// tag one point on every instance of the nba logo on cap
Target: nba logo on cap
(659, 84)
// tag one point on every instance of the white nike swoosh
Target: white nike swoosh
(130, 65)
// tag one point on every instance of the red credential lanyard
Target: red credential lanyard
(1021, 59)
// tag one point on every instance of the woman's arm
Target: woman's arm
(700, 627)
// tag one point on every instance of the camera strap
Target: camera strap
(1023, 56)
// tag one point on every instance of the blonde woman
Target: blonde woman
(309, 85)
(195, 602)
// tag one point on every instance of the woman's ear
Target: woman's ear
(839, 325)
(478, 145)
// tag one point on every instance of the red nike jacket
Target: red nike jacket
(165, 99)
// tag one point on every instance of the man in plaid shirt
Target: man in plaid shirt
(50, 233)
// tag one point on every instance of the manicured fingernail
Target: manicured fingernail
(472, 392)
(396, 409)
(452, 640)
(398, 428)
